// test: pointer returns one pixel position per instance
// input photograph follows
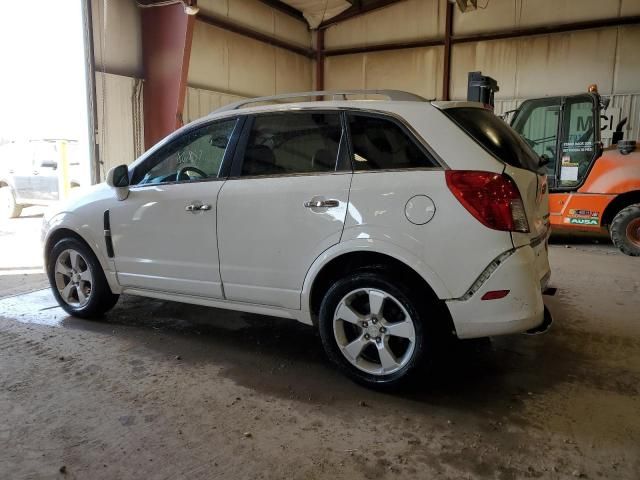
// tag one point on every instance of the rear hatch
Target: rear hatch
(521, 163)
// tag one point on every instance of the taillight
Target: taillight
(492, 198)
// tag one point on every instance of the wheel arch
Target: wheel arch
(618, 203)
(336, 266)
(57, 235)
(5, 182)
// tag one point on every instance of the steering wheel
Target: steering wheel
(189, 168)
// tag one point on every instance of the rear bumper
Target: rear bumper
(521, 310)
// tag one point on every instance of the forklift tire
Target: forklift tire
(625, 230)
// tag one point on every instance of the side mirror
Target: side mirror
(118, 179)
(49, 164)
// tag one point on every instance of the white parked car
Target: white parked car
(383, 223)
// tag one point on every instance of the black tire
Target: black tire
(10, 209)
(100, 297)
(625, 230)
(417, 308)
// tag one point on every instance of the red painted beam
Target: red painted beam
(546, 30)
(334, 52)
(167, 33)
(320, 60)
(446, 71)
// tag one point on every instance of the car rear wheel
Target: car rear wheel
(373, 329)
(625, 230)
(77, 280)
(10, 209)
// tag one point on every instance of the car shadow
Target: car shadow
(285, 359)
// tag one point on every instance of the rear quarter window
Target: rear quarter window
(495, 136)
(381, 144)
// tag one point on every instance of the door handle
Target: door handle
(194, 207)
(322, 204)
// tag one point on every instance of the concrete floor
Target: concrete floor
(162, 390)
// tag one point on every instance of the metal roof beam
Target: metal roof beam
(358, 7)
(284, 8)
(259, 36)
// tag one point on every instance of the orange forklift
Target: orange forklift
(591, 189)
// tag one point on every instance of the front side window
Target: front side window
(197, 155)
(290, 143)
(380, 144)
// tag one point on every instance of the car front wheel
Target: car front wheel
(373, 329)
(77, 280)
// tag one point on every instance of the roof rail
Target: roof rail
(393, 95)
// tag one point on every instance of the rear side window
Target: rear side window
(288, 143)
(495, 136)
(379, 143)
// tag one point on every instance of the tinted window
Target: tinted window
(197, 155)
(286, 143)
(382, 144)
(495, 136)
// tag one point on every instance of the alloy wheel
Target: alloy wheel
(73, 278)
(374, 331)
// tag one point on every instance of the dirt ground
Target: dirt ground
(160, 390)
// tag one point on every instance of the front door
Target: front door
(284, 204)
(164, 233)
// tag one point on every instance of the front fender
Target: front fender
(75, 223)
(365, 245)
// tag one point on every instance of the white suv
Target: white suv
(385, 224)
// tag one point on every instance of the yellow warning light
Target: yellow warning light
(593, 88)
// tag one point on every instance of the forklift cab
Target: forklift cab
(565, 132)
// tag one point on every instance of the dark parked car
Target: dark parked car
(29, 174)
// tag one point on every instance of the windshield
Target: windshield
(495, 136)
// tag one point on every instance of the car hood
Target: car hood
(84, 196)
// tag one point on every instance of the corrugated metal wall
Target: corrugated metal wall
(222, 61)
(200, 102)
(120, 120)
(524, 67)
(225, 66)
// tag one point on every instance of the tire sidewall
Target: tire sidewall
(99, 281)
(378, 281)
(10, 208)
(619, 229)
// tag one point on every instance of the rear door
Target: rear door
(284, 204)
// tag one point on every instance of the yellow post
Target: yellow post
(64, 184)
